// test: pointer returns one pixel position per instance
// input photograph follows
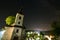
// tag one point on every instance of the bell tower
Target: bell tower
(17, 30)
(19, 19)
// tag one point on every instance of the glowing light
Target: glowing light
(38, 33)
(38, 38)
(29, 38)
(49, 37)
(28, 33)
(1, 34)
(31, 32)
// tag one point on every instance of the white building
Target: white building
(16, 31)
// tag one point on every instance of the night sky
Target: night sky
(38, 13)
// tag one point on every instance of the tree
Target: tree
(35, 36)
(41, 36)
(56, 26)
(10, 20)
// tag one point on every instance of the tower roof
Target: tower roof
(20, 11)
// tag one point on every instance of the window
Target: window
(20, 17)
(18, 22)
(17, 31)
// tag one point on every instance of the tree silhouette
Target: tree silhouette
(56, 26)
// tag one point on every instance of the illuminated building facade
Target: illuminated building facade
(15, 31)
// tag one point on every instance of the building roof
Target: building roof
(21, 11)
(16, 26)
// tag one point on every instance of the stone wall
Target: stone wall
(7, 35)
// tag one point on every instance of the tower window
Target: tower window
(18, 22)
(20, 17)
(17, 31)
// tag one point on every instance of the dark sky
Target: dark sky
(38, 13)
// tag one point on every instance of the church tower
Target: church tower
(17, 30)
(18, 27)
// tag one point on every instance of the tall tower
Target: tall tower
(17, 30)
(18, 27)
(19, 19)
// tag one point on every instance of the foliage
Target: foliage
(35, 36)
(41, 36)
(56, 26)
(10, 20)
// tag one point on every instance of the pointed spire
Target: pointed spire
(20, 11)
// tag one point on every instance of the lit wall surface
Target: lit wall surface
(7, 35)
(1, 34)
